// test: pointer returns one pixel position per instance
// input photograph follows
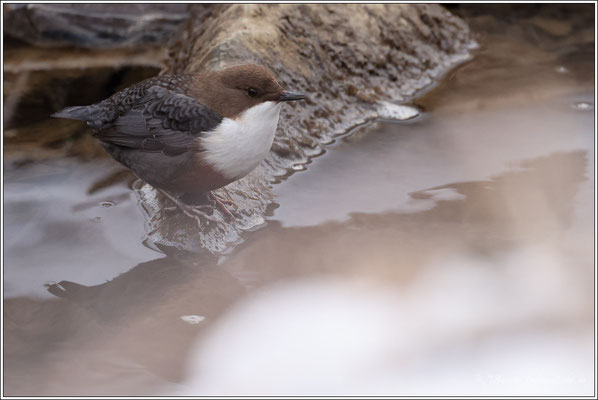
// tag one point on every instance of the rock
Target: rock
(93, 25)
(353, 61)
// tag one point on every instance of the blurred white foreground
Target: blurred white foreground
(508, 326)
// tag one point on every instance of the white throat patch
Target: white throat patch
(238, 145)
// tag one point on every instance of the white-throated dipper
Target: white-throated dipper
(189, 134)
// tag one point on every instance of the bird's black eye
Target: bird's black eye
(252, 92)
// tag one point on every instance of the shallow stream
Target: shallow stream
(449, 247)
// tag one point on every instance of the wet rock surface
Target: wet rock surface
(352, 60)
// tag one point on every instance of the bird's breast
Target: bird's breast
(237, 146)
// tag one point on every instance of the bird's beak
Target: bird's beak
(290, 96)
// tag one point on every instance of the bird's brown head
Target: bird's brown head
(233, 90)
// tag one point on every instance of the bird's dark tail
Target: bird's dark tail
(81, 113)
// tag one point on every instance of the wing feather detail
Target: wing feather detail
(162, 120)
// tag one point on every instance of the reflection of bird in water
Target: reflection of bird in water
(189, 134)
(137, 311)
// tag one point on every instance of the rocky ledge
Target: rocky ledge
(356, 62)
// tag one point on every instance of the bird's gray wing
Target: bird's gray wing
(161, 121)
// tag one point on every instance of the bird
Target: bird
(189, 134)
